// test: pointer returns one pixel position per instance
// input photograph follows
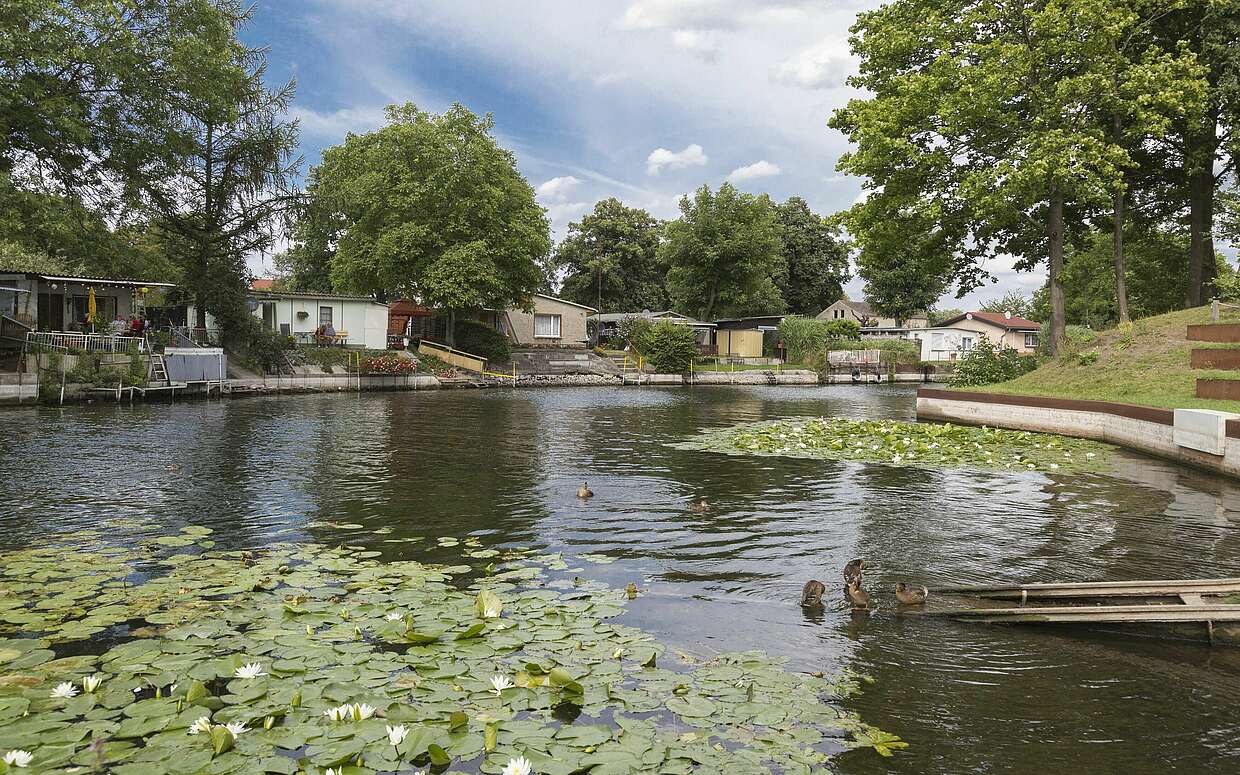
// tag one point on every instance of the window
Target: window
(966, 343)
(546, 326)
(1031, 340)
(325, 317)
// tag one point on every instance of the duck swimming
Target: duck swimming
(699, 507)
(812, 592)
(584, 491)
(910, 595)
(857, 596)
(852, 571)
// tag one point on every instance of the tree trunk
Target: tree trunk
(450, 334)
(1199, 159)
(204, 247)
(1121, 283)
(1055, 228)
(709, 310)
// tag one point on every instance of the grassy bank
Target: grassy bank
(1145, 363)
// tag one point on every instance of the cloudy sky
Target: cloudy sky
(643, 100)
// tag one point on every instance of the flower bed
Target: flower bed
(911, 444)
(171, 657)
(391, 364)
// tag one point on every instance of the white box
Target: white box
(1204, 430)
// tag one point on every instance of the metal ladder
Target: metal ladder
(159, 370)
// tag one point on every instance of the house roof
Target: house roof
(750, 317)
(1003, 320)
(565, 301)
(91, 280)
(667, 314)
(860, 307)
(298, 295)
(262, 284)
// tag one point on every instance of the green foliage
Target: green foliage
(429, 207)
(613, 250)
(940, 316)
(631, 330)
(724, 255)
(843, 329)
(922, 445)
(482, 340)
(1228, 287)
(803, 336)
(818, 264)
(668, 347)
(986, 124)
(988, 363)
(256, 345)
(1014, 302)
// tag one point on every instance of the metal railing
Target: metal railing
(91, 343)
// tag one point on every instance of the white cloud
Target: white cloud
(661, 158)
(759, 169)
(704, 14)
(557, 189)
(825, 66)
(703, 44)
(335, 124)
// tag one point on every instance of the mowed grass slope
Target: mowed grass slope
(1144, 363)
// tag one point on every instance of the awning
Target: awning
(101, 281)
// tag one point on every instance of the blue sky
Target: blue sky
(643, 100)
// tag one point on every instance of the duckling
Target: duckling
(853, 571)
(857, 596)
(811, 593)
(172, 467)
(699, 507)
(910, 595)
(584, 491)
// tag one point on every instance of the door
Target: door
(269, 315)
(51, 312)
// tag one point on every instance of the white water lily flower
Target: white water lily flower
(339, 713)
(617, 653)
(500, 682)
(1089, 454)
(397, 734)
(252, 670)
(1054, 465)
(362, 711)
(91, 682)
(64, 691)
(18, 758)
(490, 613)
(337, 771)
(518, 766)
(203, 724)
(236, 727)
(393, 617)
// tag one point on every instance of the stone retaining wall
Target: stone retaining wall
(1145, 429)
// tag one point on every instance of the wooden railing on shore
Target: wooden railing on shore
(453, 356)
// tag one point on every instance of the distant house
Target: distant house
(609, 322)
(746, 337)
(944, 344)
(356, 320)
(864, 315)
(50, 302)
(1002, 328)
(553, 322)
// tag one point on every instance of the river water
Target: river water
(505, 465)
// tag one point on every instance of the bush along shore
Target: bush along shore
(168, 656)
(926, 445)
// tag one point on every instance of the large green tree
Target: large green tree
(818, 263)
(89, 117)
(724, 255)
(986, 135)
(428, 206)
(609, 259)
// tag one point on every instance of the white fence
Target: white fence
(91, 343)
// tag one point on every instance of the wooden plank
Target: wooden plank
(1097, 614)
(1161, 588)
(1215, 358)
(1216, 332)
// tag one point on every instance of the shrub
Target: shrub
(632, 330)
(1228, 287)
(670, 348)
(843, 329)
(987, 363)
(255, 344)
(482, 340)
(803, 336)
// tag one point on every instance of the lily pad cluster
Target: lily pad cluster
(301, 658)
(931, 445)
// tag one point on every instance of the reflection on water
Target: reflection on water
(505, 465)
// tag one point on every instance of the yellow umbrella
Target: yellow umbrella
(91, 308)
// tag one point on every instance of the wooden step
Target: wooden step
(1215, 332)
(1221, 389)
(1215, 358)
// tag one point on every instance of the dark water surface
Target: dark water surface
(505, 465)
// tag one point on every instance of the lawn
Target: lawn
(1145, 363)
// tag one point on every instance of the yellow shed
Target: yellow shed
(741, 343)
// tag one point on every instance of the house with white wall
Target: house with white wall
(864, 315)
(357, 321)
(1002, 328)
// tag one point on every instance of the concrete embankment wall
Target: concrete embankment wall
(1141, 428)
(330, 383)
